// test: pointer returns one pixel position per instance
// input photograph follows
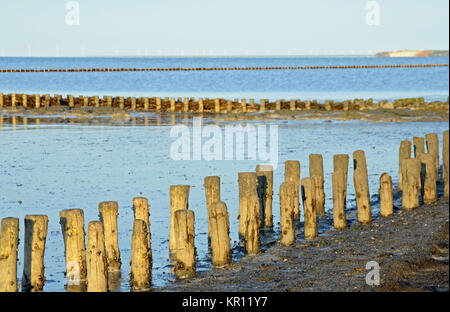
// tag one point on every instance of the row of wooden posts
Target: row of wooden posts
(201, 105)
(418, 175)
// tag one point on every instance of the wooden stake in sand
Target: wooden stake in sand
(404, 153)
(24, 100)
(316, 172)
(309, 207)
(252, 225)
(220, 235)
(445, 169)
(432, 142)
(72, 228)
(217, 105)
(212, 192)
(34, 248)
(262, 105)
(142, 212)
(247, 188)
(37, 101)
(419, 146)
(244, 105)
(13, 100)
(97, 266)
(287, 203)
(339, 197)
(185, 250)
(200, 105)
(9, 242)
(428, 178)
(109, 211)
(179, 195)
(386, 195)
(172, 105)
(362, 193)
(141, 258)
(411, 169)
(264, 175)
(292, 174)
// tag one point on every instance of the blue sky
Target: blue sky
(226, 27)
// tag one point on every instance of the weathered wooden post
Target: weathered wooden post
(121, 102)
(212, 192)
(404, 153)
(252, 225)
(13, 100)
(428, 178)
(24, 100)
(244, 105)
(309, 207)
(179, 196)
(252, 104)
(37, 101)
(109, 101)
(419, 146)
(71, 100)
(262, 105)
(201, 107)
(359, 161)
(339, 198)
(2, 103)
(172, 105)
(292, 174)
(85, 101)
(308, 105)
(361, 183)
(133, 103)
(9, 242)
(340, 161)
(158, 104)
(278, 105)
(445, 169)
(264, 174)
(47, 100)
(142, 212)
(109, 211)
(220, 235)
(287, 227)
(34, 248)
(96, 101)
(386, 195)
(72, 228)
(229, 106)
(432, 142)
(247, 188)
(292, 105)
(141, 258)
(411, 169)
(185, 247)
(217, 105)
(97, 266)
(186, 105)
(316, 172)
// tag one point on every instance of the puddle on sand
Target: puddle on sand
(53, 164)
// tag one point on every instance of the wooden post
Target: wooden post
(287, 226)
(432, 142)
(146, 103)
(97, 266)
(445, 169)
(9, 242)
(278, 105)
(411, 169)
(217, 105)
(185, 250)
(34, 248)
(1, 100)
(252, 104)
(428, 178)
(212, 192)
(24, 100)
(96, 101)
(247, 188)
(179, 196)
(121, 102)
(172, 105)
(72, 228)
(361, 184)
(264, 174)
(386, 195)
(419, 146)
(186, 105)
(85, 101)
(109, 211)
(341, 162)
(142, 212)
(244, 105)
(309, 207)
(316, 172)
(133, 103)
(262, 105)
(292, 174)
(220, 235)
(308, 105)
(47, 100)
(252, 225)
(359, 161)
(158, 104)
(109, 100)
(339, 198)
(37, 100)
(200, 105)
(141, 258)
(404, 153)
(71, 100)
(13, 100)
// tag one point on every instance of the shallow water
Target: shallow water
(334, 84)
(49, 167)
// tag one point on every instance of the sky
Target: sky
(225, 27)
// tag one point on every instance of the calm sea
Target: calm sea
(336, 84)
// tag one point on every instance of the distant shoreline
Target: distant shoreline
(413, 53)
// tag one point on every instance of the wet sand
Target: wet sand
(411, 248)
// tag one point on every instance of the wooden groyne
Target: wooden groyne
(91, 263)
(18, 101)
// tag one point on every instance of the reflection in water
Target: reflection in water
(82, 287)
(114, 280)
